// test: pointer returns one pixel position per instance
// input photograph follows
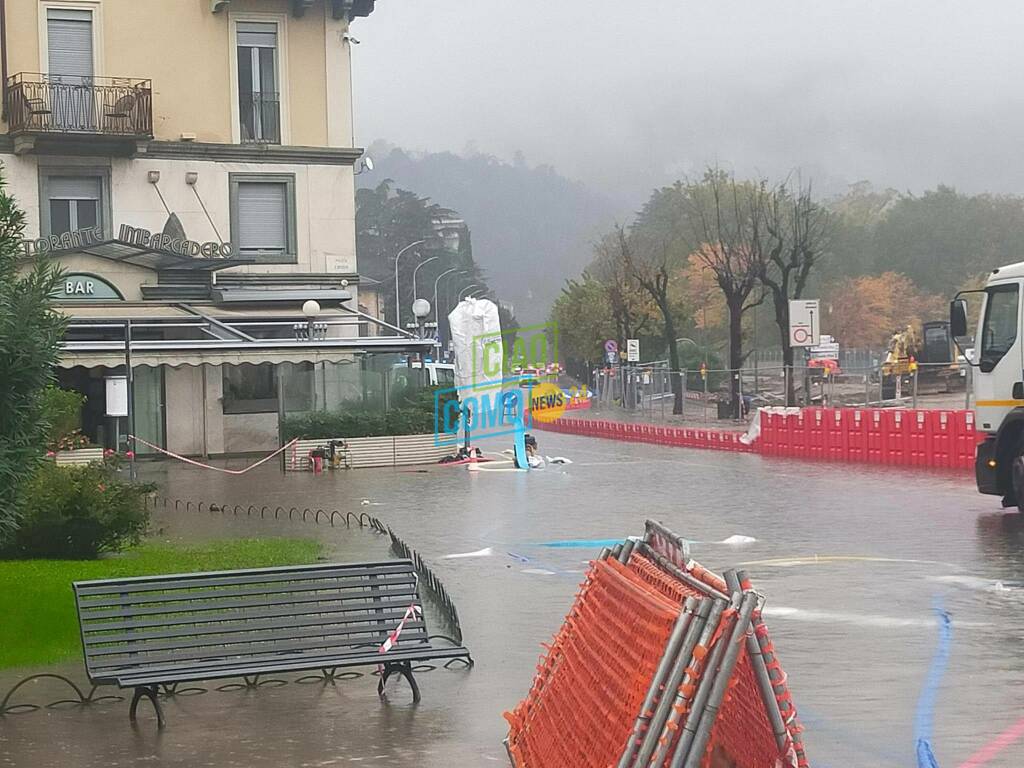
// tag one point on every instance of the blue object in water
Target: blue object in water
(583, 543)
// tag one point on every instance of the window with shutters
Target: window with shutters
(69, 61)
(69, 42)
(73, 198)
(263, 216)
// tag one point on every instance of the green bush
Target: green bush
(62, 412)
(415, 417)
(78, 512)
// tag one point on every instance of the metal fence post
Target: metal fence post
(913, 396)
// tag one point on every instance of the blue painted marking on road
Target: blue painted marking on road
(582, 543)
(924, 719)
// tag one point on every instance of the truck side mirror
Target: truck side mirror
(958, 318)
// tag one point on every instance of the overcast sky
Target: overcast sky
(628, 94)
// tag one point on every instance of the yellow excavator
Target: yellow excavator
(929, 353)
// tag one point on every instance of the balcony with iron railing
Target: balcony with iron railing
(260, 117)
(79, 106)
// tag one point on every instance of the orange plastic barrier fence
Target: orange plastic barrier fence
(591, 686)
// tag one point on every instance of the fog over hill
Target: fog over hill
(531, 227)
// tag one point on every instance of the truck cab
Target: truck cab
(998, 362)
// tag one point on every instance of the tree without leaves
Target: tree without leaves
(30, 335)
(797, 233)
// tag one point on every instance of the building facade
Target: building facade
(191, 165)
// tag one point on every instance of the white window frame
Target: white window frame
(281, 20)
(92, 6)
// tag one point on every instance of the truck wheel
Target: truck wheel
(1017, 478)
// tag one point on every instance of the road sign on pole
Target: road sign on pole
(632, 350)
(804, 323)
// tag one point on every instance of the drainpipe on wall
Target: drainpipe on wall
(3, 56)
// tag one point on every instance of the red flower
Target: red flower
(129, 454)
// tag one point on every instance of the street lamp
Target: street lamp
(468, 288)
(415, 293)
(421, 310)
(311, 309)
(398, 308)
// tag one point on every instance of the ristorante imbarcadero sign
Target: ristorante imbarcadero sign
(128, 235)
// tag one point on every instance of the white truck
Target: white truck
(998, 363)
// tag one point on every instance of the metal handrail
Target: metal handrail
(80, 104)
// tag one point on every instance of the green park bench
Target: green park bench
(153, 631)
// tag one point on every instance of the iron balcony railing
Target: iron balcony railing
(56, 104)
(260, 116)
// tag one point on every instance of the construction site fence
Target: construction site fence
(658, 663)
(648, 389)
(894, 436)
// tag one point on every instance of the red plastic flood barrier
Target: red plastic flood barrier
(894, 436)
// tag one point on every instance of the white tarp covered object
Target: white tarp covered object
(754, 431)
(474, 325)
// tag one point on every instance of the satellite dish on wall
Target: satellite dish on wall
(173, 227)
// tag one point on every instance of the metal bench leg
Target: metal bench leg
(148, 692)
(405, 670)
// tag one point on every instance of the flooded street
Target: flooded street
(855, 562)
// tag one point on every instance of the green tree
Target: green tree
(30, 335)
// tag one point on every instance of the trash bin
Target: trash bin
(724, 409)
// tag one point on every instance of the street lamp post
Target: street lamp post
(398, 306)
(437, 308)
(415, 294)
(468, 288)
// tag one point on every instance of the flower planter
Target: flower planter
(78, 456)
(362, 452)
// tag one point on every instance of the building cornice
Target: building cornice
(250, 153)
(200, 150)
(340, 9)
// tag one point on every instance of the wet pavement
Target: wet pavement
(855, 561)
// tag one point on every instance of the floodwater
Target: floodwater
(854, 560)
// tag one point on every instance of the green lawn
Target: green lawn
(37, 608)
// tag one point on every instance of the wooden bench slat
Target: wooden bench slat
(260, 576)
(179, 595)
(254, 651)
(375, 630)
(180, 615)
(281, 611)
(246, 624)
(426, 653)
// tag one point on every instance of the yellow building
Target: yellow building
(191, 165)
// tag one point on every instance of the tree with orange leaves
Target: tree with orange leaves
(865, 311)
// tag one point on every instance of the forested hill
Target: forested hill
(531, 228)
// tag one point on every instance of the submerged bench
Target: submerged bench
(153, 631)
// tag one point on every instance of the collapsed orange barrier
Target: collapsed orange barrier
(658, 663)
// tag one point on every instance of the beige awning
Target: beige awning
(111, 354)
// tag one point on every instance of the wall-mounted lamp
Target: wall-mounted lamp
(191, 177)
(153, 176)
